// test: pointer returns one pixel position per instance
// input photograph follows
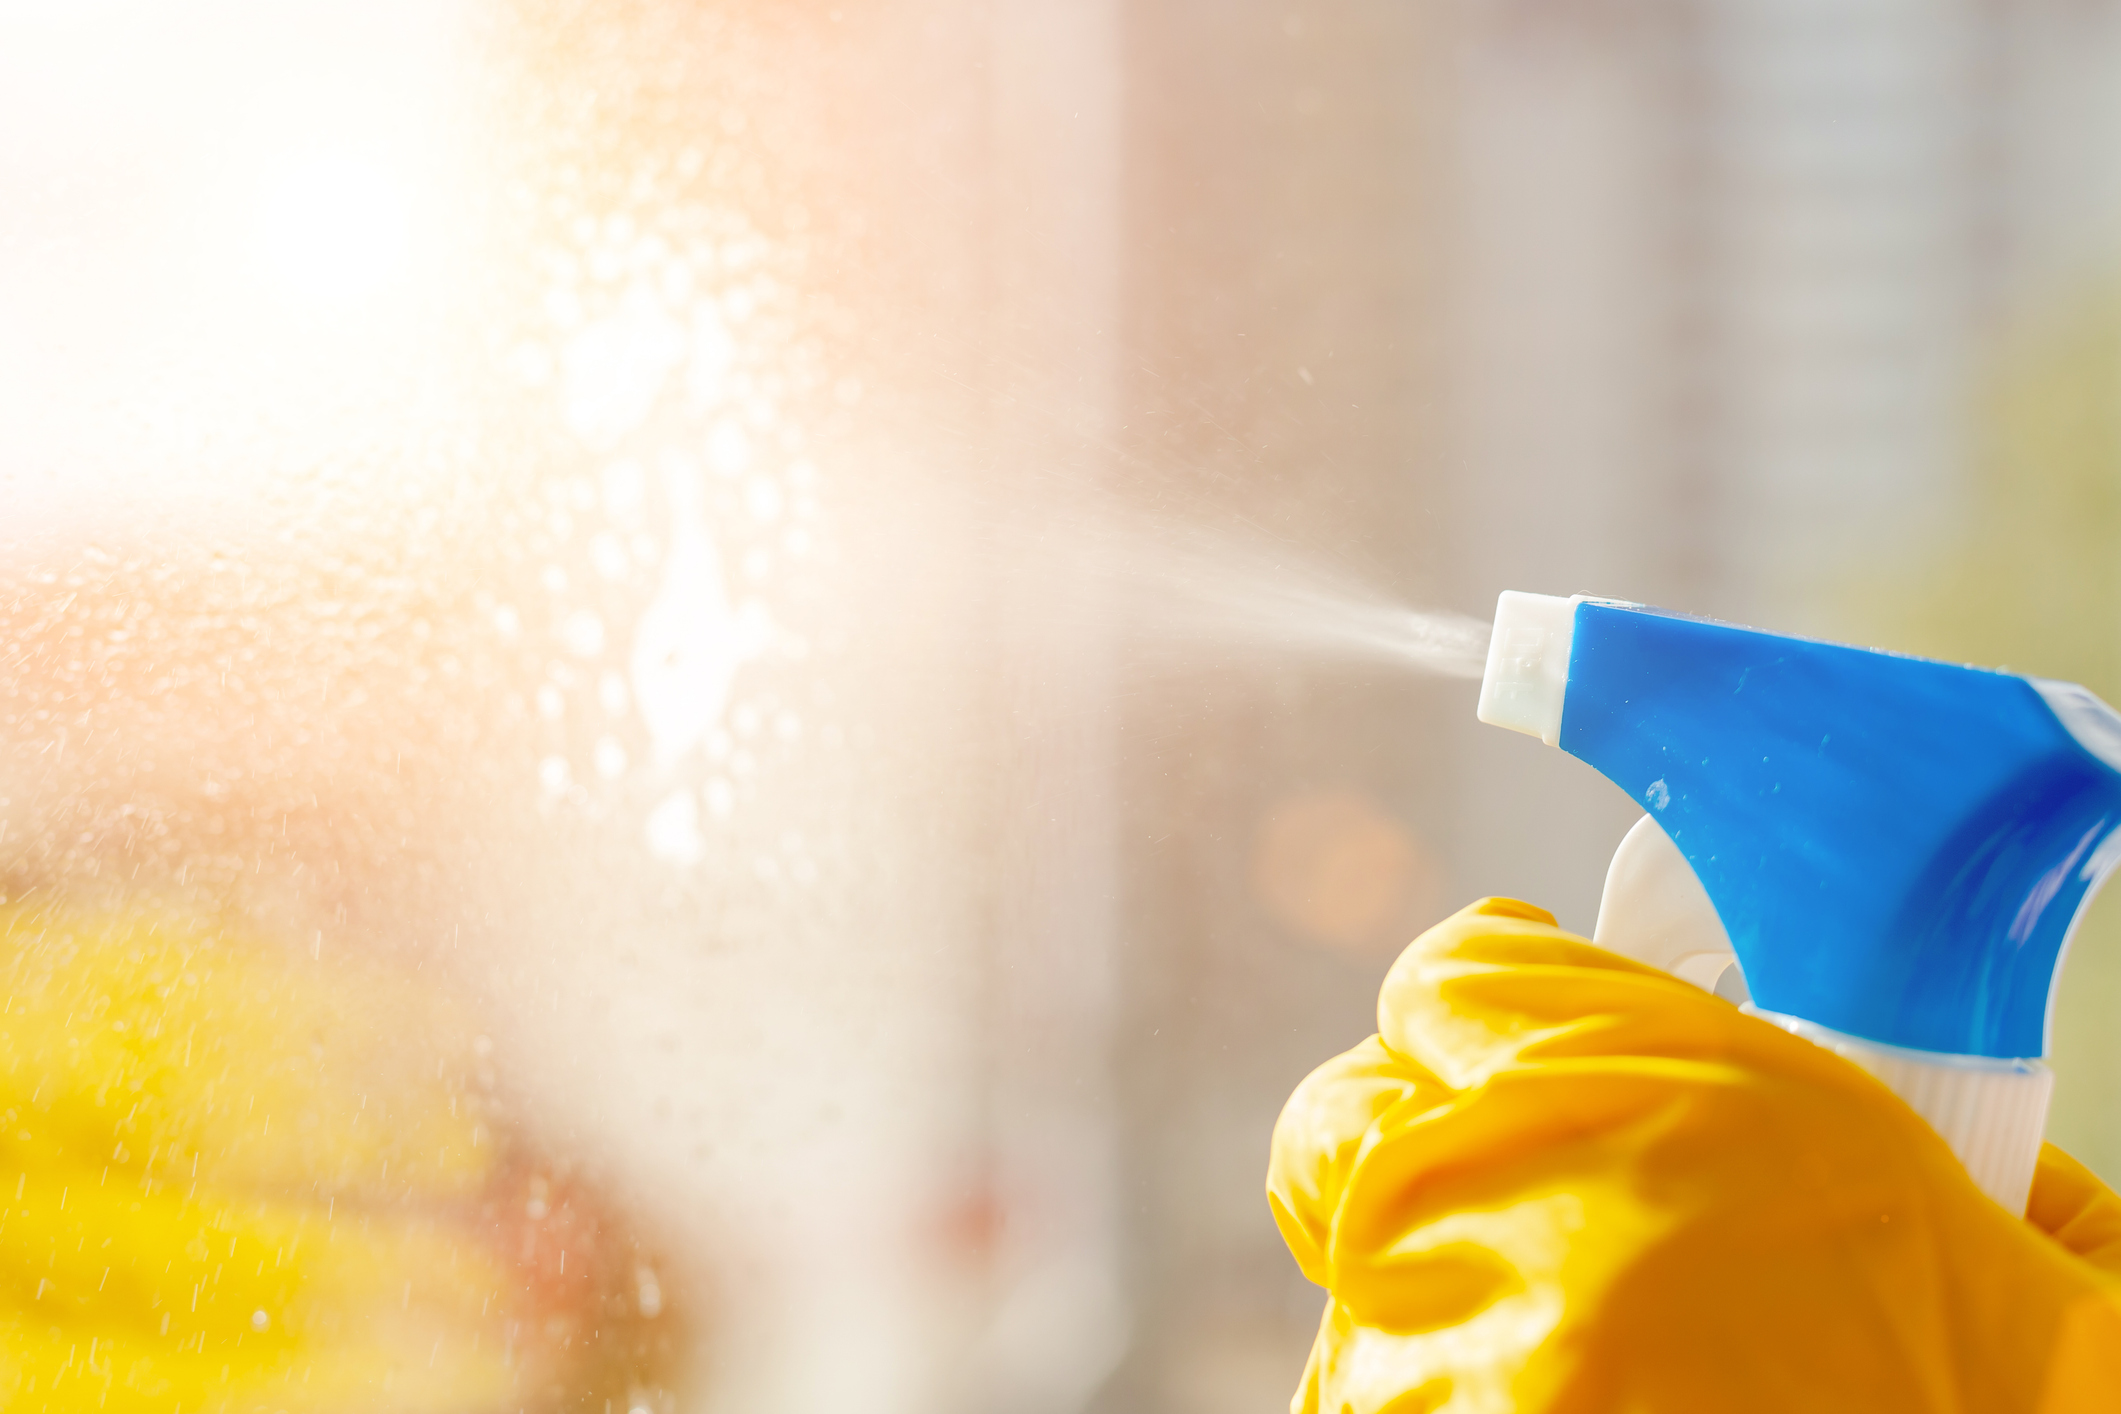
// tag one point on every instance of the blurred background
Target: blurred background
(728, 542)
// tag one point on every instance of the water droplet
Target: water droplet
(608, 554)
(765, 500)
(648, 1292)
(729, 449)
(583, 633)
(674, 830)
(625, 484)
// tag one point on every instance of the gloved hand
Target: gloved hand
(235, 1178)
(1559, 1180)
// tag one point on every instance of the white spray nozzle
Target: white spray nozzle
(1528, 664)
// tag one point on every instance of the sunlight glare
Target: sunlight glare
(231, 236)
(335, 229)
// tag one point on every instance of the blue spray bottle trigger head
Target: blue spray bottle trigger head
(1898, 848)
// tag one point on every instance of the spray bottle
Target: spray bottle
(1884, 854)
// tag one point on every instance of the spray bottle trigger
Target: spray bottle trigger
(1655, 911)
(1991, 1112)
(1716, 972)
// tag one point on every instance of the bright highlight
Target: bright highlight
(336, 228)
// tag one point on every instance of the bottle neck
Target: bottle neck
(1993, 1113)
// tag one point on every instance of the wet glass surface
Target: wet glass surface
(665, 741)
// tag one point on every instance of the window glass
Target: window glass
(703, 704)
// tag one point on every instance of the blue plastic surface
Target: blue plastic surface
(1898, 847)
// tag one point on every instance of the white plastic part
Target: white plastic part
(1654, 910)
(1528, 664)
(1992, 1112)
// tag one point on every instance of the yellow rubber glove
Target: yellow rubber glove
(1559, 1180)
(234, 1178)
